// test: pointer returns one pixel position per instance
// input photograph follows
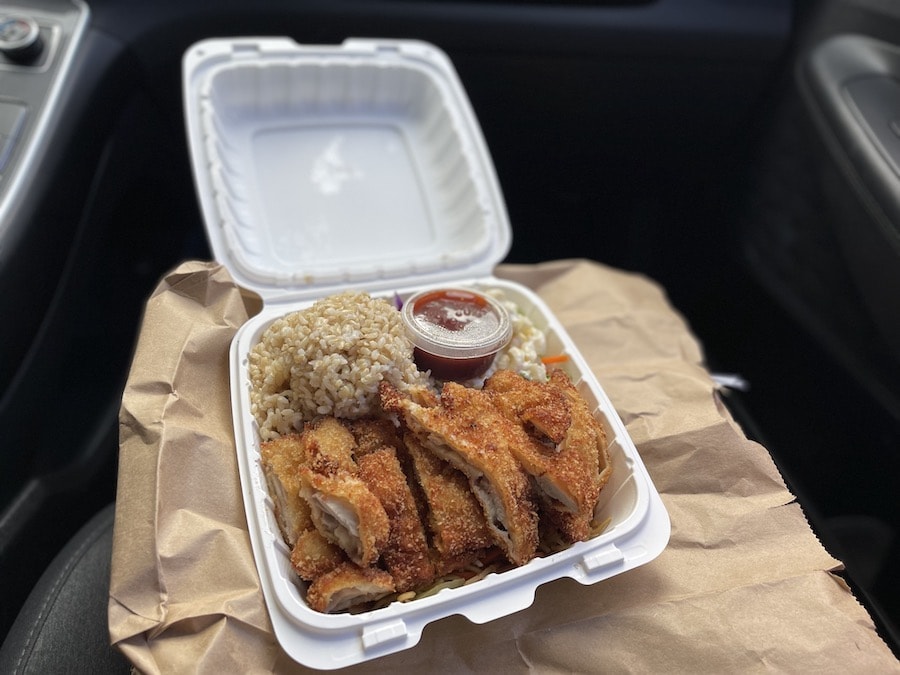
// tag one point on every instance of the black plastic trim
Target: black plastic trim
(848, 84)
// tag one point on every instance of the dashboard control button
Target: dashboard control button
(20, 38)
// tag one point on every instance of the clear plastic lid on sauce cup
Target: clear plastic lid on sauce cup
(456, 332)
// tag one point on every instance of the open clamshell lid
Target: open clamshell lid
(324, 167)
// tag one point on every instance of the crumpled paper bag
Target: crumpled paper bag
(744, 585)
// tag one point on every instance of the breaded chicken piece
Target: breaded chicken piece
(468, 431)
(542, 410)
(586, 439)
(565, 471)
(346, 513)
(424, 397)
(346, 586)
(405, 554)
(329, 446)
(373, 433)
(455, 519)
(313, 555)
(585, 428)
(281, 459)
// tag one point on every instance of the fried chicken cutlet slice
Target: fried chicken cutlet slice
(342, 507)
(329, 446)
(587, 436)
(346, 586)
(459, 531)
(564, 455)
(468, 431)
(405, 554)
(541, 409)
(313, 555)
(346, 513)
(281, 459)
(373, 433)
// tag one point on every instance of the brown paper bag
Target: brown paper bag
(743, 585)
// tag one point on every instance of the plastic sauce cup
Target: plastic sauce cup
(456, 332)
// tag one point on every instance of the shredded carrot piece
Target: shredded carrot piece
(558, 358)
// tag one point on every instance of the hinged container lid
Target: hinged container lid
(325, 167)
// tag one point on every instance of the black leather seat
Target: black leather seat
(63, 627)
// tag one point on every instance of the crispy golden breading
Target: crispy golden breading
(586, 439)
(346, 586)
(584, 422)
(467, 430)
(455, 518)
(585, 428)
(281, 459)
(424, 396)
(373, 433)
(346, 512)
(405, 554)
(329, 446)
(542, 410)
(313, 555)
(565, 473)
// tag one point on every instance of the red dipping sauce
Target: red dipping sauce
(456, 332)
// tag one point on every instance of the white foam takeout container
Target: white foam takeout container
(362, 165)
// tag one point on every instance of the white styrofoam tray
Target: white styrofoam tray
(637, 533)
(302, 156)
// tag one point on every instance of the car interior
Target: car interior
(743, 155)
